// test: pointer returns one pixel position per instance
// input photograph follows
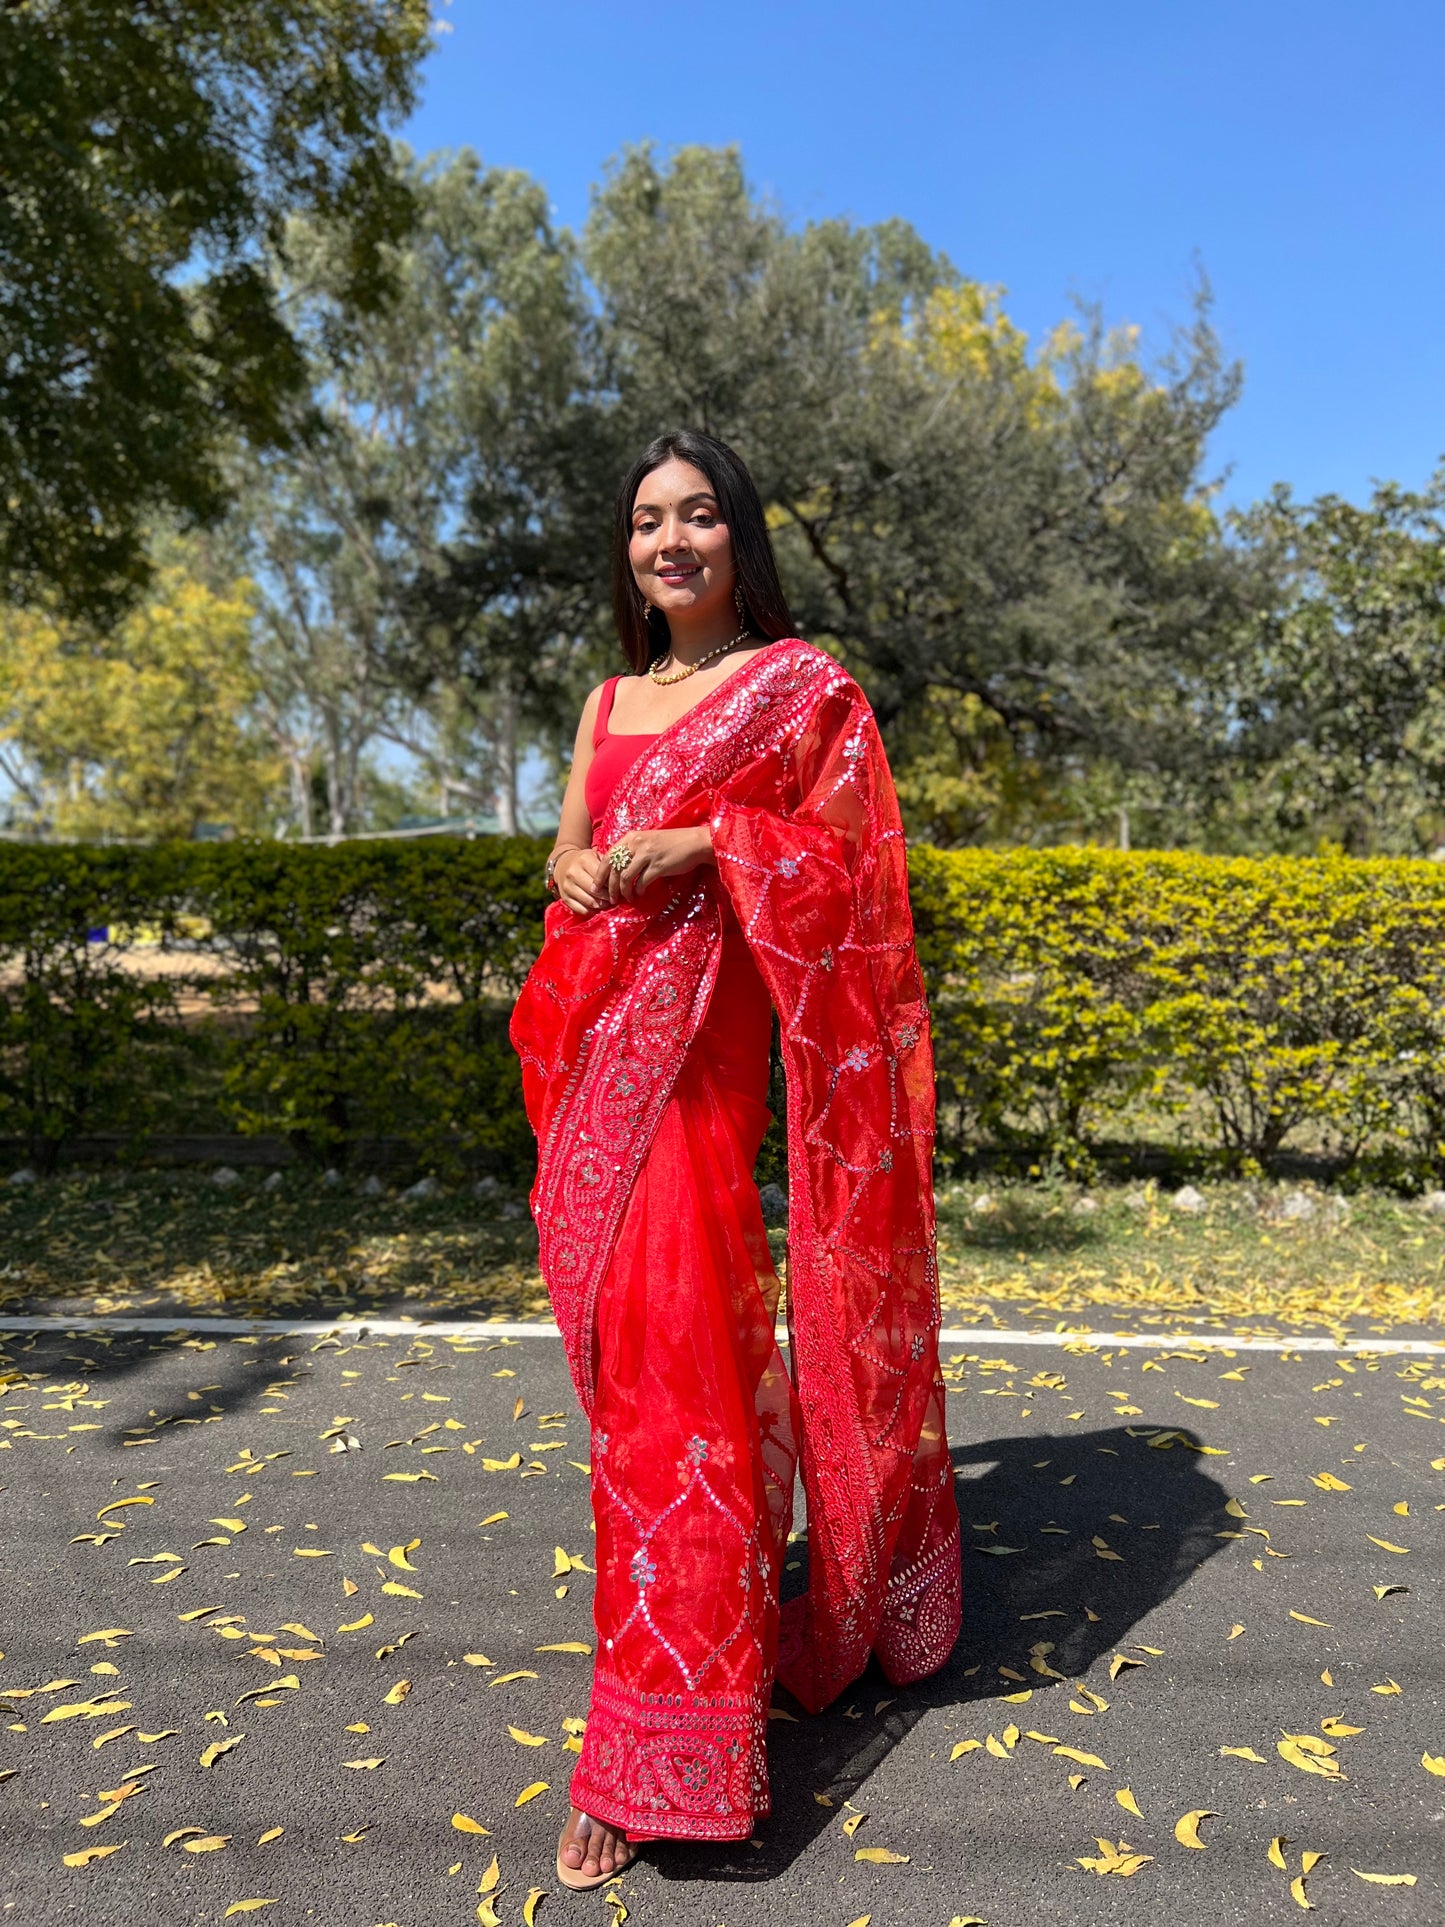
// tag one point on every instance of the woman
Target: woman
(730, 844)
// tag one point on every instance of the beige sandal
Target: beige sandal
(573, 1877)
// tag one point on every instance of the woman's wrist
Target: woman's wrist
(556, 860)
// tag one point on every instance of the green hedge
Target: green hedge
(1237, 1007)
(1237, 1004)
(345, 993)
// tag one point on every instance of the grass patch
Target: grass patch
(157, 1241)
(1291, 1255)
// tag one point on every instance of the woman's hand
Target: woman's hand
(581, 880)
(656, 854)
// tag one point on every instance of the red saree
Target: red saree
(643, 1034)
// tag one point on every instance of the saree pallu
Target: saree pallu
(643, 1033)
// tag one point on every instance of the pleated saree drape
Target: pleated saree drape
(643, 1033)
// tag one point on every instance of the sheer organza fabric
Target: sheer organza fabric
(643, 1033)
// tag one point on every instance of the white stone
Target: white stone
(983, 1202)
(331, 1178)
(426, 1187)
(1083, 1206)
(373, 1187)
(1433, 1201)
(514, 1208)
(1188, 1199)
(225, 1178)
(23, 1176)
(274, 1182)
(486, 1188)
(1297, 1205)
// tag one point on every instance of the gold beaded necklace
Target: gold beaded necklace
(691, 668)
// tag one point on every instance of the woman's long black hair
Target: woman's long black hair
(642, 629)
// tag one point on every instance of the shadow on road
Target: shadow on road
(1059, 1593)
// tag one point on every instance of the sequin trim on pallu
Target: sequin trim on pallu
(693, 1763)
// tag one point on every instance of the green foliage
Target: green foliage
(138, 732)
(1075, 992)
(1339, 687)
(74, 1023)
(137, 141)
(1240, 1006)
(358, 992)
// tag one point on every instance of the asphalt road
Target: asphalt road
(1061, 1474)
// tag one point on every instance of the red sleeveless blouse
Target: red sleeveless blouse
(612, 756)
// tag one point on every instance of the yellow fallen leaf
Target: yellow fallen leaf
(1276, 1851)
(524, 1738)
(566, 1646)
(853, 1822)
(880, 1856)
(397, 1555)
(1244, 1753)
(488, 1915)
(530, 1792)
(116, 1505)
(1385, 1879)
(475, 1659)
(410, 1478)
(246, 1907)
(1209, 1404)
(84, 1855)
(312, 1552)
(209, 1843)
(1186, 1827)
(365, 1766)
(1327, 1482)
(1310, 1743)
(491, 1879)
(213, 1752)
(465, 1824)
(863, 1920)
(530, 1905)
(502, 1678)
(1434, 1763)
(1309, 1861)
(503, 1465)
(357, 1625)
(1112, 1859)
(1297, 1893)
(494, 1518)
(1235, 1630)
(996, 1748)
(1119, 1662)
(1390, 1688)
(1080, 1759)
(1385, 1545)
(84, 1710)
(398, 1591)
(115, 1733)
(1337, 1729)
(110, 1634)
(1127, 1801)
(1383, 1592)
(397, 1694)
(271, 1833)
(968, 1746)
(1306, 1761)
(1305, 1620)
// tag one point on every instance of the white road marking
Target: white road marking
(351, 1328)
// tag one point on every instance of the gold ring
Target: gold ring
(620, 858)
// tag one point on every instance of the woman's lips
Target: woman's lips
(677, 575)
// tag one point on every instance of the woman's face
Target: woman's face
(681, 552)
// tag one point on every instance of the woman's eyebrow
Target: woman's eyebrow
(652, 508)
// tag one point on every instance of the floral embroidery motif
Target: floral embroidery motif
(857, 1058)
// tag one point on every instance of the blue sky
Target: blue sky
(1296, 151)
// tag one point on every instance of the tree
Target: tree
(1028, 533)
(140, 732)
(1339, 687)
(142, 141)
(428, 558)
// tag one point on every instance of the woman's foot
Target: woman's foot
(592, 1849)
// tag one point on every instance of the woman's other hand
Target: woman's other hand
(581, 880)
(656, 854)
